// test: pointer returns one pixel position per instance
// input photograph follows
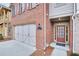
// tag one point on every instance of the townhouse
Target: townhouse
(41, 25)
(5, 26)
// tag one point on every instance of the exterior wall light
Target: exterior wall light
(39, 27)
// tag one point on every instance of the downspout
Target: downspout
(73, 18)
(44, 26)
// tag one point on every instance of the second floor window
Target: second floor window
(34, 5)
(13, 10)
(31, 5)
(21, 7)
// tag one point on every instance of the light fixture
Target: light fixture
(39, 27)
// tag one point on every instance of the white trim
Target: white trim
(55, 30)
(45, 26)
(74, 26)
(61, 15)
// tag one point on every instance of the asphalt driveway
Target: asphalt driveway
(15, 48)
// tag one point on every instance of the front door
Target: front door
(60, 33)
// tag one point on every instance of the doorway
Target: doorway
(61, 34)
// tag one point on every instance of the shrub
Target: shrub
(1, 37)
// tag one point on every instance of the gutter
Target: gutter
(44, 26)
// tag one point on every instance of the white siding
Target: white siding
(77, 7)
(76, 35)
(60, 9)
(76, 32)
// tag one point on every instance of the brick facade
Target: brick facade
(49, 27)
(38, 15)
(71, 34)
(32, 16)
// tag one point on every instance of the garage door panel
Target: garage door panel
(19, 30)
(27, 41)
(19, 34)
(26, 34)
(30, 42)
(26, 30)
(16, 33)
(32, 30)
(22, 33)
(33, 41)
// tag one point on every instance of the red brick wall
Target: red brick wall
(71, 35)
(49, 28)
(36, 16)
(40, 33)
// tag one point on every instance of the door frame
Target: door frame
(61, 24)
(57, 33)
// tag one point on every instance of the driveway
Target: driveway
(15, 48)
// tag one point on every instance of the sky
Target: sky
(5, 4)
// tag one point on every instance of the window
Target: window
(23, 7)
(20, 8)
(27, 6)
(13, 10)
(61, 32)
(34, 4)
(31, 5)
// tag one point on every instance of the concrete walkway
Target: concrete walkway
(58, 52)
(15, 48)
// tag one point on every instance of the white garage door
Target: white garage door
(26, 34)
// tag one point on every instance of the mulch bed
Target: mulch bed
(42, 52)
